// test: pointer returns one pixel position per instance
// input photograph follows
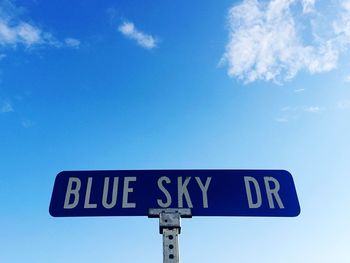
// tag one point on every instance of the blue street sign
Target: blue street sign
(206, 192)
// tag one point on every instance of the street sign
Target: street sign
(205, 192)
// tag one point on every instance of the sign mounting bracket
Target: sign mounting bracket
(170, 228)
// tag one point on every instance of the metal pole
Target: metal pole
(170, 228)
(170, 246)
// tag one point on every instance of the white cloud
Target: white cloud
(312, 109)
(26, 123)
(270, 40)
(72, 42)
(29, 34)
(308, 6)
(6, 107)
(289, 113)
(23, 33)
(129, 30)
(16, 31)
(299, 90)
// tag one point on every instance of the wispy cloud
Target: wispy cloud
(26, 123)
(282, 119)
(299, 90)
(15, 30)
(272, 41)
(289, 113)
(312, 109)
(72, 42)
(308, 6)
(144, 40)
(23, 33)
(343, 104)
(6, 107)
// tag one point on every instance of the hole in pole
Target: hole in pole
(171, 256)
(171, 246)
(171, 237)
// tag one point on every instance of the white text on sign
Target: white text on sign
(125, 185)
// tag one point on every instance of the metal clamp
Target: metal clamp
(169, 217)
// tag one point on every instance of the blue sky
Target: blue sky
(88, 85)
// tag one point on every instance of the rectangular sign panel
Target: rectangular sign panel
(206, 192)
